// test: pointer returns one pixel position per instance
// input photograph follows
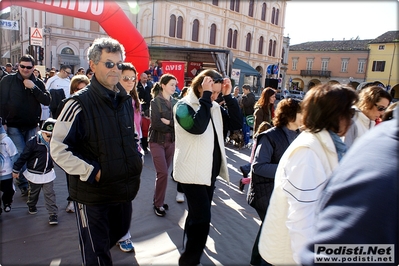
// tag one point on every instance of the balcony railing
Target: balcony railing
(316, 73)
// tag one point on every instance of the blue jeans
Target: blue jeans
(20, 137)
(246, 131)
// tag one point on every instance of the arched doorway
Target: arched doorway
(68, 57)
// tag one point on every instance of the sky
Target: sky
(307, 21)
(321, 20)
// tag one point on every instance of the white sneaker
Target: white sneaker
(70, 208)
(180, 197)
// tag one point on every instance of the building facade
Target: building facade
(312, 63)
(383, 63)
(65, 39)
(349, 62)
(253, 30)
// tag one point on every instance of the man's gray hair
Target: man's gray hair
(108, 44)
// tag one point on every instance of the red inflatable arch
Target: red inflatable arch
(107, 13)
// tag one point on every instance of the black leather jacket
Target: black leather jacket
(20, 107)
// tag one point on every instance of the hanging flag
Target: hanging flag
(275, 69)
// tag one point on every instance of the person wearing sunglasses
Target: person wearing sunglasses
(58, 86)
(20, 97)
(373, 101)
(128, 81)
(200, 121)
(93, 141)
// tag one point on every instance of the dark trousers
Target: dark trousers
(67, 181)
(100, 227)
(145, 124)
(256, 258)
(7, 187)
(48, 193)
(196, 228)
(179, 188)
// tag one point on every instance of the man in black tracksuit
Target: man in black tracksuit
(93, 141)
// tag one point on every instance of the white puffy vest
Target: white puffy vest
(192, 163)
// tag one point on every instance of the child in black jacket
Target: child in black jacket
(40, 170)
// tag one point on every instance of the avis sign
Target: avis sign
(176, 68)
(36, 36)
(9, 24)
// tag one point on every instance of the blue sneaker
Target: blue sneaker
(126, 245)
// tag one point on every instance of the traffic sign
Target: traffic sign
(36, 36)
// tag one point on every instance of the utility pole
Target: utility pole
(35, 47)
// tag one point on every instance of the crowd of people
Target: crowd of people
(310, 163)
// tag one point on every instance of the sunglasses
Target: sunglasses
(27, 67)
(380, 108)
(69, 73)
(48, 135)
(127, 78)
(112, 64)
(218, 80)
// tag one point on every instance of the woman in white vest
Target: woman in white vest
(200, 154)
(303, 171)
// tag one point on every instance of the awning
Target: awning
(6, 55)
(245, 68)
(67, 59)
